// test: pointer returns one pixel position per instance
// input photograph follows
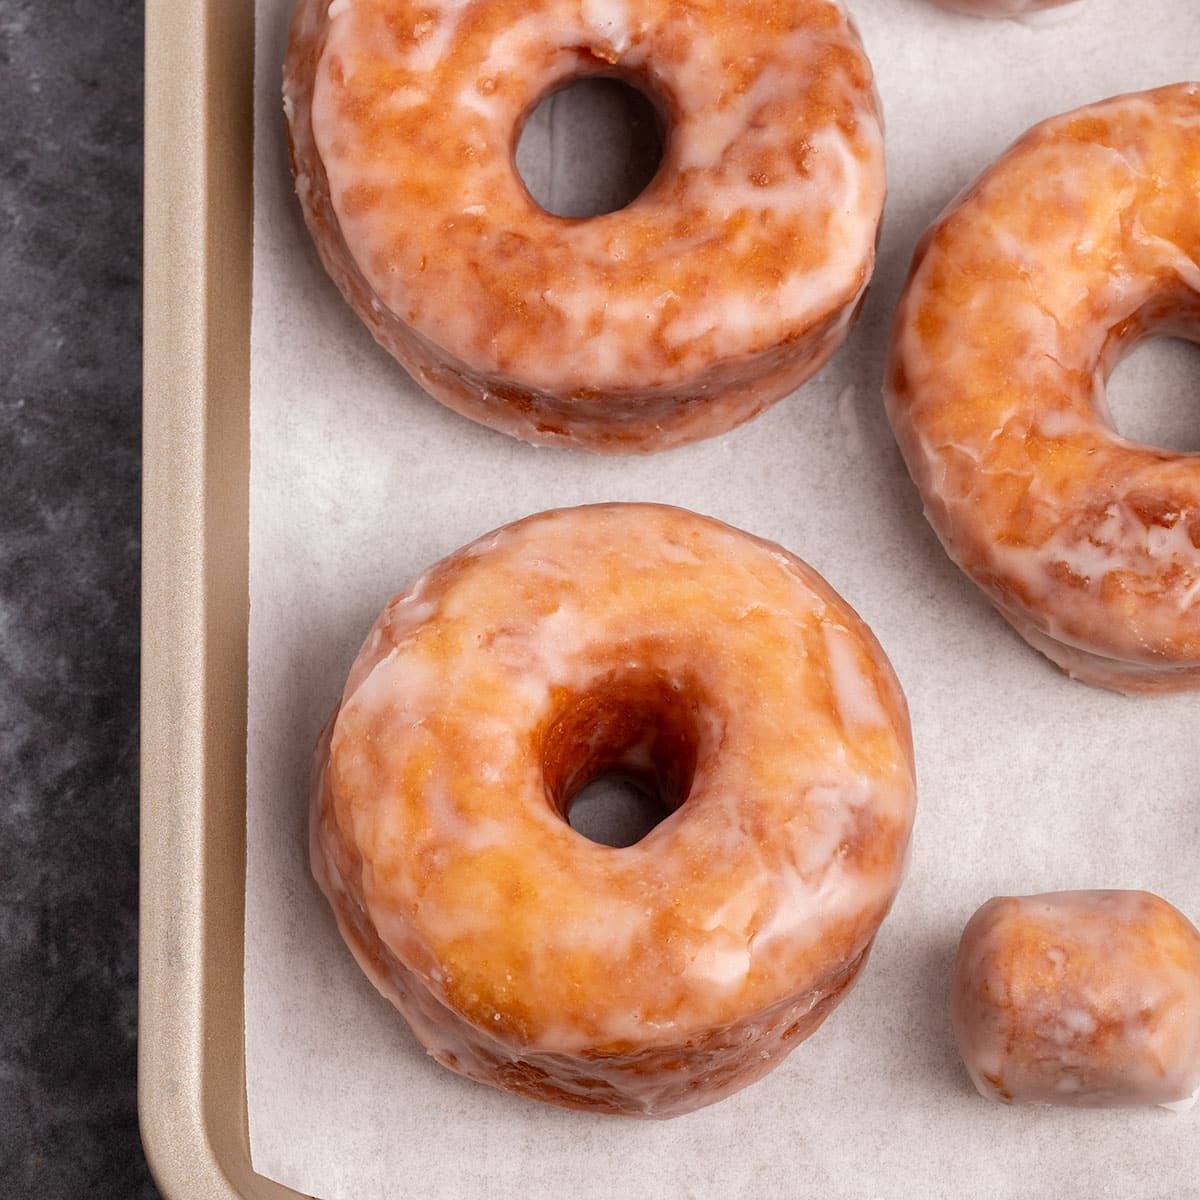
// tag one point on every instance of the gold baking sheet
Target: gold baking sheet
(197, 291)
(191, 1064)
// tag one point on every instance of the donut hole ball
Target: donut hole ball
(1087, 998)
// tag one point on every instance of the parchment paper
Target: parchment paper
(1028, 782)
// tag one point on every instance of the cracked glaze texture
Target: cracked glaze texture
(725, 285)
(657, 978)
(1089, 999)
(1082, 239)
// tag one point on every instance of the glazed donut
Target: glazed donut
(1089, 999)
(725, 285)
(1082, 240)
(724, 673)
(1007, 8)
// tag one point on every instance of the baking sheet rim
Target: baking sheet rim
(195, 599)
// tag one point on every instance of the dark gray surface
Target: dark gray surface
(70, 244)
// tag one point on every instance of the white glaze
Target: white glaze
(672, 971)
(1058, 13)
(1182, 1106)
(1081, 240)
(1082, 998)
(1030, 11)
(728, 282)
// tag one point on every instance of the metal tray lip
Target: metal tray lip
(195, 599)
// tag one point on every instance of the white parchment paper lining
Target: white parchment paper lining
(1028, 781)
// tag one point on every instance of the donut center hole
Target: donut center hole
(589, 148)
(1151, 393)
(621, 757)
(616, 810)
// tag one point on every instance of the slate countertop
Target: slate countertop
(70, 412)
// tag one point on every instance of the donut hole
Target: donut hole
(590, 147)
(620, 757)
(616, 810)
(1150, 396)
